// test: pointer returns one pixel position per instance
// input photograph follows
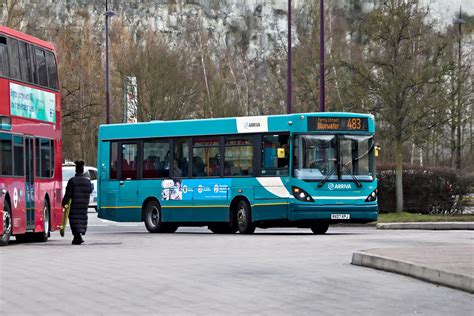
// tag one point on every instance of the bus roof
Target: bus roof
(221, 126)
(25, 37)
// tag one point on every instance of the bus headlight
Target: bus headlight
(301, 194)
(372, 196)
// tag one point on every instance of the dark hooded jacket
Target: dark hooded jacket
(79, 189)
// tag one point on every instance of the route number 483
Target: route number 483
(354, 123)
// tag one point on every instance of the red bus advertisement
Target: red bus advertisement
(30, 138)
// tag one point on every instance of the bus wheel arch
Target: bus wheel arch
(7, 223)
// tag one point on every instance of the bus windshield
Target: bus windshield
(316, 157)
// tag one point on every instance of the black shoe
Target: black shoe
(76, 242)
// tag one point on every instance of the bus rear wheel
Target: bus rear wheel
(44, 235)
(153, 221)
(7, 225)
(320, 228)
(244, 218)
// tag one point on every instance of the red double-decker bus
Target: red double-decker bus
(30, 138)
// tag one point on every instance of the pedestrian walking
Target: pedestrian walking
(78, 189)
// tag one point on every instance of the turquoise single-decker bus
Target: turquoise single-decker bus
(306, 170)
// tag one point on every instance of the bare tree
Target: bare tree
(403, 71)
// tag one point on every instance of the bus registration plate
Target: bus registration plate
(340, 216)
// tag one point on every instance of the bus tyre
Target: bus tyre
(7, 225)
(44, 235)
(153, 218)
(320, 228)
(244, 218)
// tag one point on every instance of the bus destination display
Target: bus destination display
(337, 124)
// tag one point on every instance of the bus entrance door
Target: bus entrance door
(30, 188)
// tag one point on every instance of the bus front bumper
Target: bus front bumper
(334, 213)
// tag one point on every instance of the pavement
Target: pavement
(451, 266)
(429, 225)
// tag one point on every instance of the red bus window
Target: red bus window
(6, 163)
(4, 57)
(41, 65)
(25, 63)
(14, 59)
(52, 73)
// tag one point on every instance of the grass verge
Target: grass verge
(409, 217)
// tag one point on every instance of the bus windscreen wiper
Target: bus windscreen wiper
(320, 185)
(359, 185)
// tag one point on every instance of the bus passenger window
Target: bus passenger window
(275, 155)
(14, 59)
(24, 62)
(156, 159)
(238, 156)
(41, 64)
(52, 73)
(113, 160)
(6, 163)
(181, 157)
(4, 70)
(206, 157)
(18, 159)
(46, 171)
(129, 161)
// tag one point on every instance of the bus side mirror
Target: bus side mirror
(377, 148)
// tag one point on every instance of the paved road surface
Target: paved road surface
(124, 269)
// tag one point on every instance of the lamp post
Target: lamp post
(459, 21)
(289, 86)
(108, 14)
(321, 56)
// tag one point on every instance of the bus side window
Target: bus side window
(113, 160)
(275, 155)
(41, 65)
(32, 64)
(14, 58)
(52, 72)
(4, 69)
(129, 161)
(24, 62)
(18, 158)
(6, 163)
(181, 156)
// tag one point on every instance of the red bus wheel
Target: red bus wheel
(44, 235)
(7, 225)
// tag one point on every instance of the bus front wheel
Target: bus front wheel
(244, 218)
(320, 228)
(7, 225)
(153, 220)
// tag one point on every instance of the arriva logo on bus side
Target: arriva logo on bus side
(339, 186)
